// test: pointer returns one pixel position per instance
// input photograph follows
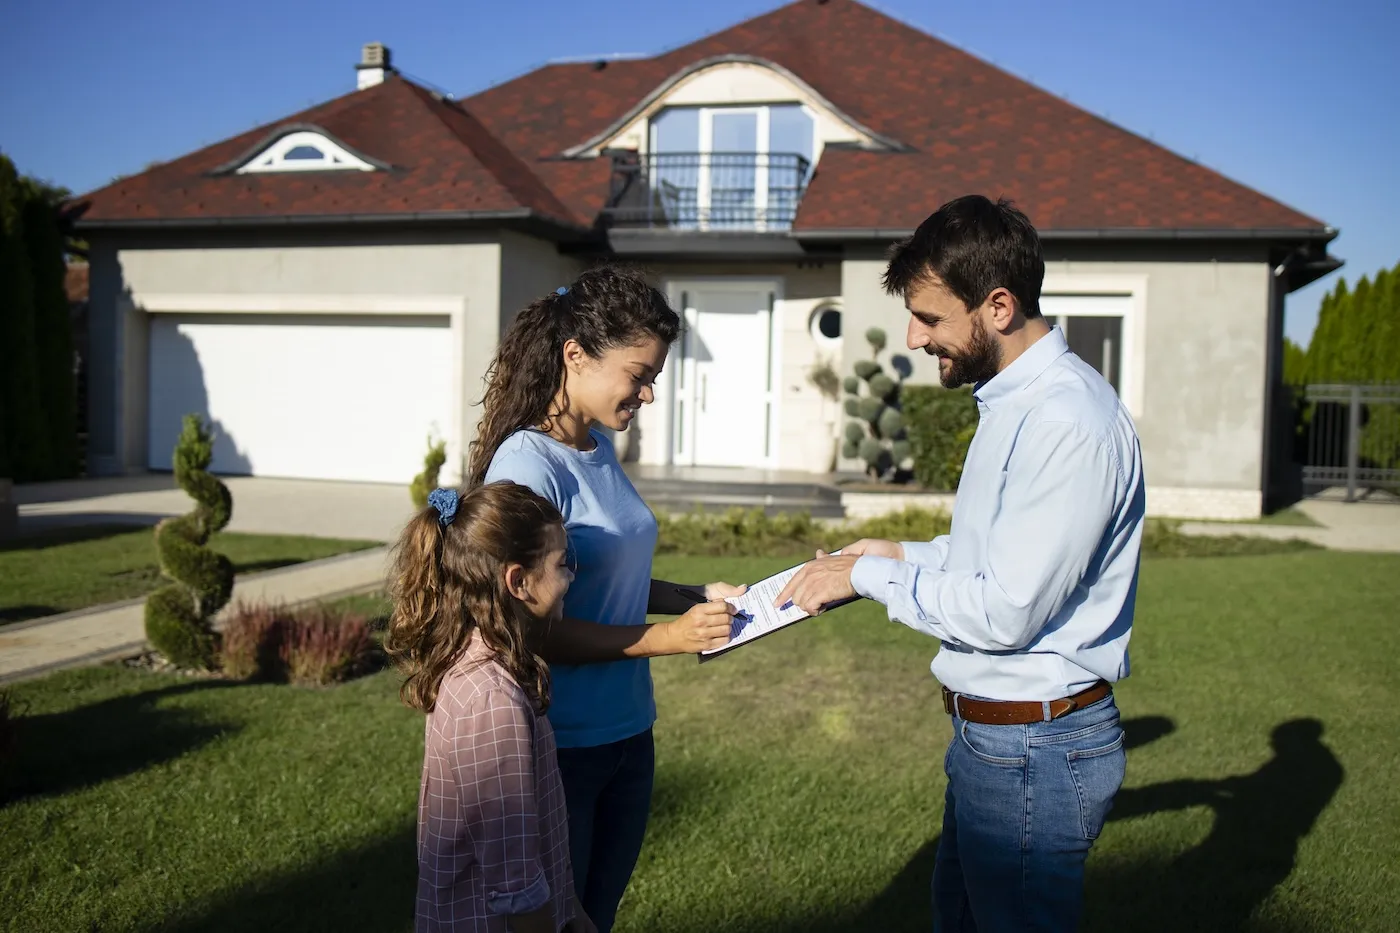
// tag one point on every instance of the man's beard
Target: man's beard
(978, 363)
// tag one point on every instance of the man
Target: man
(1031, 595)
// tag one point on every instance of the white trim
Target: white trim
(667, 397)
(276, 303)
(1131, 380)
(335, 158)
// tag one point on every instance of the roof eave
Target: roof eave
(513, 217)
(1280, 235)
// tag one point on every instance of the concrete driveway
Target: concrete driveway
(365, 511)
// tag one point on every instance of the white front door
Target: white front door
(723, 404)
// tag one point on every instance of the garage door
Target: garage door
(344, 398)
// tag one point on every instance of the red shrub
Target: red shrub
(253, 642)
(325, 647)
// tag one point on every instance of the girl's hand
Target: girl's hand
(724, 590)
(704, 626)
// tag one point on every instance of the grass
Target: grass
(81, 567)
(798, 786)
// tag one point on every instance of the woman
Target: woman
(583, 357)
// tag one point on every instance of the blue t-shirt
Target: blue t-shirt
(612, 536)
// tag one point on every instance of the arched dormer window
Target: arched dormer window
(304, 151)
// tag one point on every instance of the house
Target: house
(329, 288)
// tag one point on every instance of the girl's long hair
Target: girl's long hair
(603, 309)
(448, 586)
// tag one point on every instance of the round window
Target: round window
(826, 324)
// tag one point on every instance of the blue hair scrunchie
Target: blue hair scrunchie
(562, 290)
(445, 501)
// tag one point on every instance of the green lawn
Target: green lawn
(799, 783)
(81, 567)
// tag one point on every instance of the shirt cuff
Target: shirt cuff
(871, 576)
(519, 902)
(925, 553)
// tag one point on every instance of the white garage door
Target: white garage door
(345, 398)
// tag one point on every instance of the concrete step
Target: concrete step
(823, 507)
(813, 492)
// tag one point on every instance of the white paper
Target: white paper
(757, 616)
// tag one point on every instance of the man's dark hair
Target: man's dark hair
(974, 246)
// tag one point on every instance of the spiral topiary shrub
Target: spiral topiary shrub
(178, 614)
(876, 433)
(427, 481)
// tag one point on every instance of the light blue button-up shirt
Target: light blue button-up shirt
(1032, 593)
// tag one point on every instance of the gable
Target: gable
(733, 81)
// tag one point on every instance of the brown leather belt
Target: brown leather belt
(1020, 712)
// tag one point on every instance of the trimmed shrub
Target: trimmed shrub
(252, 642)
(427, 481)
(178, 615)
(324, 647)
(940, 423)
(53, 335)
(752, 533)
(21, 403)
(876, 425)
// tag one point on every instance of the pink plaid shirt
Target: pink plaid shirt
(493, 835)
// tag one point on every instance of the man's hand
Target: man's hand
(724, 590)
(580, 922)
(704, 626)
(875, 547)
(820, 582)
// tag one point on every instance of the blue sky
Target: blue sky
(1298, 99)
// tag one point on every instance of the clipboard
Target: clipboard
(750, 626)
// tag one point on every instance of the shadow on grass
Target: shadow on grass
(1215, 887)
(24, 613)
(34, 538)
(62, 752)
(368, 889)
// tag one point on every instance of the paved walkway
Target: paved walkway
(364, 511)
(28, 649)
(1342, 526)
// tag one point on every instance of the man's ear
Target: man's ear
(1001, 307)
(515, 582)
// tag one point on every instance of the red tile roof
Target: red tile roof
(970, 127)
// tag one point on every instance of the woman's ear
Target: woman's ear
(515, 577)
(574, 355)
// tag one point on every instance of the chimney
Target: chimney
(374, 64)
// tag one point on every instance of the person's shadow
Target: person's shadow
(1260, 819)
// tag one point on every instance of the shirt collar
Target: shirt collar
(1024, 370)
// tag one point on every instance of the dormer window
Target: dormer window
(305, 151)
(733, 166)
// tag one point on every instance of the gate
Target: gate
(1352, 439)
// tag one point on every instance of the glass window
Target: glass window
(790, 130)
(1097, 341)
(676, 129)
(305, 152)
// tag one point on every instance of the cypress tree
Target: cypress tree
(25, 434)
(53, 333)
(1388, 334)
(1295, 362)
(1355, 334)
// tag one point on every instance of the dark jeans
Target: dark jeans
(1024, 806)
(608, 792)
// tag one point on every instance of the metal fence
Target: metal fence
(1352, 438)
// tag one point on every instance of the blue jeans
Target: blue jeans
(607, 789)
(1023, 806)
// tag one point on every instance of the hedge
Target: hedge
(940, 423)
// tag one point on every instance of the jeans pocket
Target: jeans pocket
(1097, 773)
(985, 754)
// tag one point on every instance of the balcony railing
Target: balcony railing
(741, 191)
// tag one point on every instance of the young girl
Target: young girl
(583, 357)
(472, 574)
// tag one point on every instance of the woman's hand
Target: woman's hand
(704, 626)
(724, 590)
(875, 547)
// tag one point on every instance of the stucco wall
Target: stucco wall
(390, 271)
(1203, 334)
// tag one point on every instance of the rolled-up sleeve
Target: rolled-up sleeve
(493, 761)
(1060, 493)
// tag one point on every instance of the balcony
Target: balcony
(706, 191)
